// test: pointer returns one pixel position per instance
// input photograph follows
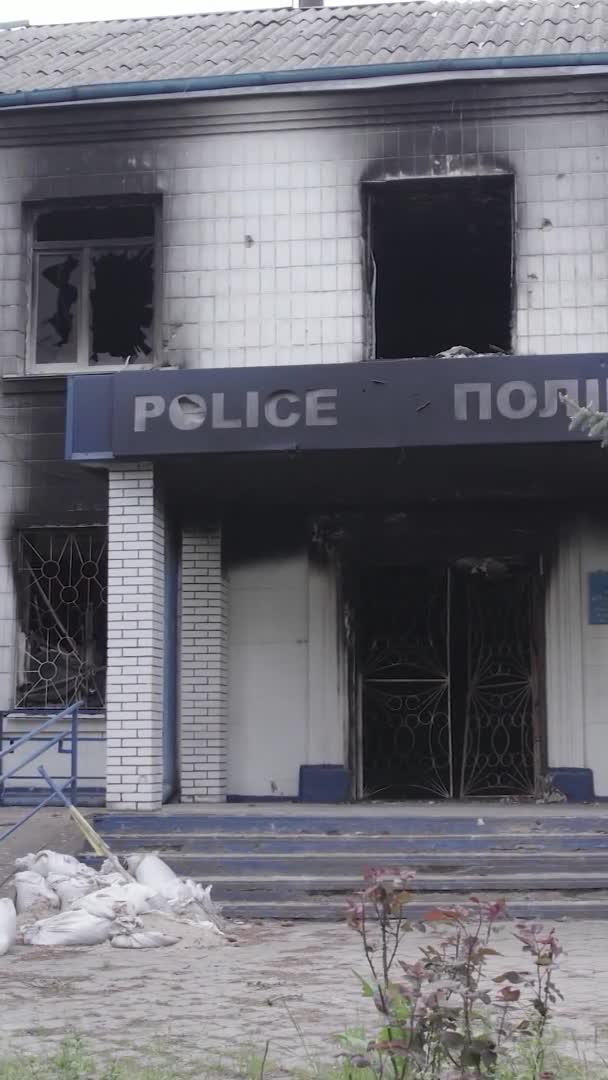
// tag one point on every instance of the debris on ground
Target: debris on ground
(61, 901)
(464, 350)
(456, 351)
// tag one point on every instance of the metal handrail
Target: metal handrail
(58, 740)
(36, 731)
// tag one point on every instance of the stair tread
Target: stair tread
(305, 826)
(568, 875)
(441, 900)
(421, 853)
(353, 835)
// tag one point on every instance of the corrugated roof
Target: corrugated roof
(249, 42)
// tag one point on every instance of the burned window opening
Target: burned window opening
(94, 285)
(441, 251)
(63, 598)
(121, 304)
(95, 223)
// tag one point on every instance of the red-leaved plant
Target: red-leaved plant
(443, 1016)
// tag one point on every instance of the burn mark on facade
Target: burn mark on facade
(57, 533)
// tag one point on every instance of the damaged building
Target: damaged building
(288, 301)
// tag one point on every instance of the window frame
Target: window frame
(84, 248)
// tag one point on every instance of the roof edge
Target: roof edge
(264, 79)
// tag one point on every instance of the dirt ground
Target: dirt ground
(291, 985)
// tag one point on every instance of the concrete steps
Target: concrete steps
(292, 863)
(536, 907)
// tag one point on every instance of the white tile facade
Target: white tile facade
(203, 667)
(263, 263)
(263, 228)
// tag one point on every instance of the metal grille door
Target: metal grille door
(449, 682)
(498, 751)
(407, 751)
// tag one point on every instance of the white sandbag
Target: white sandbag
(186, 897)
(76, 927)
(8, 925)
(176, 891)
(34, 915)
(209, 906)
(143, 939)
(71, 889)
(114, 867)
(113, 877)
(25, 862)
(53, 862)
(128, 898)
(34, 890)
(102, 907)
(150, 870)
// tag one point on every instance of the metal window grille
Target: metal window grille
(63, 595)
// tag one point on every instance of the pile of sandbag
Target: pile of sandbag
(8, 925)
(60, 901)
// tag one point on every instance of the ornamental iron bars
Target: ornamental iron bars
(407, 723)
(449, 682)
(63, 594)
(498, 752)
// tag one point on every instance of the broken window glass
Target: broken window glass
(58, 289)
(94, 285)
(63, 618)
(121, 304)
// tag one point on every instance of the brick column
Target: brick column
(136, 578)
(203, 667)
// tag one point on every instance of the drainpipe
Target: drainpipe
(258, 80)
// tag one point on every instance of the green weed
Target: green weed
(73, 1061)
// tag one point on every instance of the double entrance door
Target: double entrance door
(450, 665)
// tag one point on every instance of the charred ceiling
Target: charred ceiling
(380, 477)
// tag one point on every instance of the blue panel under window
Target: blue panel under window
(598, 598)
(88, 432)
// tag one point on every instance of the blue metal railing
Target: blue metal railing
(60, 740)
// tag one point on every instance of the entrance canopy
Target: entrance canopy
(385, 404)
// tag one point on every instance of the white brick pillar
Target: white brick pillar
(134, 698)
(203, 666)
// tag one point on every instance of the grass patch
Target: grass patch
(74, 1061)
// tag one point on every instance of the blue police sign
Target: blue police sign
(436, 401)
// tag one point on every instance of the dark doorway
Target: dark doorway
(441, 252)
(450, 673)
